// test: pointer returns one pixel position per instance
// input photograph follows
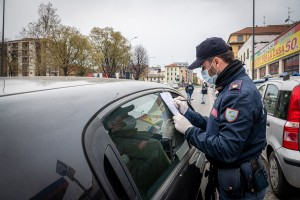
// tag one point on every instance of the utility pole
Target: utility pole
(253, 39)
(2, 52)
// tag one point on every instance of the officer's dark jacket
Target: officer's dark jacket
(235, 131)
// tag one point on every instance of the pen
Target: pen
(185, 100)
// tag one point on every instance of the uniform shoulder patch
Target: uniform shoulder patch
(231, 114)
(236, 85)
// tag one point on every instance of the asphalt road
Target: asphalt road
(205, 109)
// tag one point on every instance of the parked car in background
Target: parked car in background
(175, 86)
(281, 98)
(92, 138)
(259, 82)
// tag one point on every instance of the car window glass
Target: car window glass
(144, 134)
(261, 90)
(270, 98)
(283, 104)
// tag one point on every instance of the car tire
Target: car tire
(278, 182)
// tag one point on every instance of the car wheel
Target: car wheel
(278, 182)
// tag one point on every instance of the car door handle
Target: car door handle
(268, 124)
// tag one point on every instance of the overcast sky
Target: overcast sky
(169, 29)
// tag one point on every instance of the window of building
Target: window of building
(25, 60)
(25, 70)
(25, 53)
(15, 46)
(244, 56)
(240, 38)
(255, 74)
(291, 64)
(274, 68)
(247, 53)
(262, 71)
(25, 45)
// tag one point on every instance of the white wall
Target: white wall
(261, 41)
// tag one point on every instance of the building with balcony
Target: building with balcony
(21, 57)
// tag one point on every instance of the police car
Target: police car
(282, 100)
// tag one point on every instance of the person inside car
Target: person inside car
(143, 155)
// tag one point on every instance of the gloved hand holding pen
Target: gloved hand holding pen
(181, 104)
(181, 123)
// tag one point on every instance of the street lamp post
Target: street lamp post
(2, 52)
(132, 39)
(253, 40)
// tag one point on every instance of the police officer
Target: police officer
(189, 89)
(234, 134)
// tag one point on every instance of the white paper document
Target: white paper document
(166, 96)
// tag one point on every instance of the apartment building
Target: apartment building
(177, 72)
(21, 57)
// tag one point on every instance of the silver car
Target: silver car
(282, 101)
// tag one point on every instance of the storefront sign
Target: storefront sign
(281, 47)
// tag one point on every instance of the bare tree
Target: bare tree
(139, 64)
(47, 22)
(41, 29)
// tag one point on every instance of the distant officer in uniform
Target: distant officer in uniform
(189, 89)
(234, 134)
(204, 91)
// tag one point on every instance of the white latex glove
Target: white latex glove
(168, 129)
(181, 105)
(181, 123)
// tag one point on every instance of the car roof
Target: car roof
(288, 84)
(19, 85)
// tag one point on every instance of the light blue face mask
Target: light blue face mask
(207, 78)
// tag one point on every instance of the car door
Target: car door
(136, 152)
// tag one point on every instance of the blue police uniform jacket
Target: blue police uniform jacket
(235, 131)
